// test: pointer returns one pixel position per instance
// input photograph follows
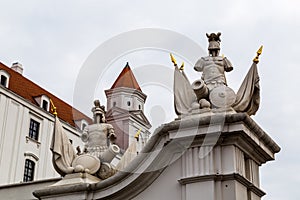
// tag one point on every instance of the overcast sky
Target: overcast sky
(54, 39)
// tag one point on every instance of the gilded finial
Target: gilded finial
(258, 53)
(53, 108)
(173, 59)
(182, 66)
(136, 136)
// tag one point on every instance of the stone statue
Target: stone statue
(96, 135)
(211, 91)
(99, 150)
(213, 66)
(99, 141)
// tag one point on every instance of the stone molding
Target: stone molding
(224, 177)
(161, 150)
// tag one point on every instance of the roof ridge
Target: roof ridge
(28, 90)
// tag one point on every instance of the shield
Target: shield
(222, 97)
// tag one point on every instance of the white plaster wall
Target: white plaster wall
(136, 102)
(241, 191)
(114, 98)
(200, 190)
(228, 159)
(232, 189)
(228, 190)
(122, 97)
(165, 186)
(15, 115)
(9, 134)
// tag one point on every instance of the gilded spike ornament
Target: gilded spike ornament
(258, 53)
(182, 66)
(173, 59)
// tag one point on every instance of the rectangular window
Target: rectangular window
(45, 105)
(3, 80)
(34, 129)
(28, 170)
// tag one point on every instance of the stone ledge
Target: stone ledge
(154, 158)
(217, 119)
(226, 177)
(76, 178)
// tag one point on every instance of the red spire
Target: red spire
(126, 79)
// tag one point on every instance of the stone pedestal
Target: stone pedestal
(72, 186)
(209, 157)
(77, 178)
(223, 160)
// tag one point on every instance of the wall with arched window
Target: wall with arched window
(29, 166)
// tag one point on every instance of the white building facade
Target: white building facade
(27, 123)
(26, 127)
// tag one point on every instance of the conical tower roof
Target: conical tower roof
(126, 79)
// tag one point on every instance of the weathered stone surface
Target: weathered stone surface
(87, 162)
(222, 97)
(76, 178)
(210, 151)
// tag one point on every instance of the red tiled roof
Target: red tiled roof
(126, 79)
(28, 90)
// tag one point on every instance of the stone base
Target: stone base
(228, 110)
(207, 112)
(77, 178)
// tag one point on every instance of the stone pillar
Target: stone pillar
(223, 161)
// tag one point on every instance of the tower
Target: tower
(125, 110)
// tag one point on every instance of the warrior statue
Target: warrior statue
(99, 139)
(211, 91)
(97, 136)
(99, 150)
(213, 66)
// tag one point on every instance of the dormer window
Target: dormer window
(45, 105)
(4, 78)
(81, 124)
(44, 102)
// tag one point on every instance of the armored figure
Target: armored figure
(97, 136)
(211, 91)
(99, 141)
(213, 67)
